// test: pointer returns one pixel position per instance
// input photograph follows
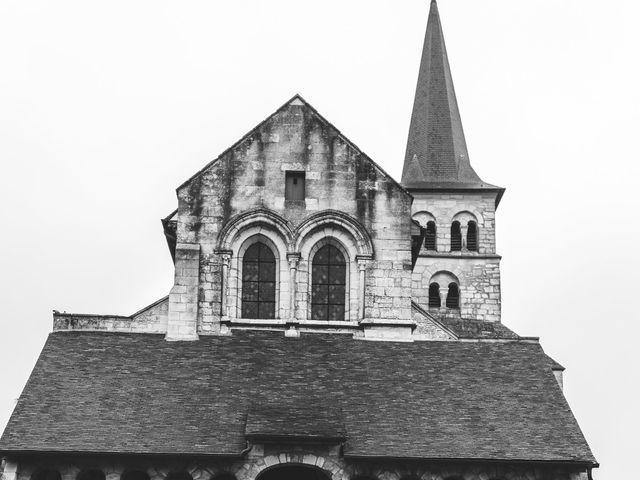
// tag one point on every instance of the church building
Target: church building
(326, 322)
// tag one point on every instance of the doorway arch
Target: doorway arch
(293, 471)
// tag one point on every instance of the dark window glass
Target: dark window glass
(328, 284)
(430, 236)
(90, 475)
(294, 188)
(179, 476)
(456, 237)
(258, 282)
(472, 236)
(46, 475)
(434, 295)
(453, 296)
(134, 475)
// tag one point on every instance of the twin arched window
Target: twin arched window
(259, 282)
(472, 236)
(453, 296)
(328, 283)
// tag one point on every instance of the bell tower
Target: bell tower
(457, 271)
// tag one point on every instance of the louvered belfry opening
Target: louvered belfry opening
(328, 284)
(472, 236)
(258, 282)
(434, 295)
(456, 237)
(430, 236)
(453, 296)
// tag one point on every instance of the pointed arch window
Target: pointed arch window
(328, 284)
(434, 295)
(456, 237)
(430, 236)
(472, 236)
(258, 282)
(453, 296)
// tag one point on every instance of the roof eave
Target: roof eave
(462, 188)
(581, 463)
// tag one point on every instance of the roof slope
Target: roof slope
(437, 155)
(135, 393)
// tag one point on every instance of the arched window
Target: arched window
(456, 237)
(92, 474)
(430, 237)
(48, 474)
(453, 296)
(258, 282)
(328, 284)
(472, 236)
(434, 295)
(134, 475)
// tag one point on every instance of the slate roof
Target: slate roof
(478, 329)
(436, 155)
(137, 393)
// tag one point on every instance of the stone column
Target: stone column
(463, 232)
(294, 259)
(225, 258)
(362, 270)
(444, 291)
(10, 470)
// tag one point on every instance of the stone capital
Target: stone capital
(293, 258)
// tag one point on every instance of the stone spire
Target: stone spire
(437, 154)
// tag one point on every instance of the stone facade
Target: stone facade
(476, 272)
(240, 198)
(263, 458)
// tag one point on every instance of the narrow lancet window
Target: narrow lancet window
(456, 237)
(294, 189)
(258, 282)
(453, 296)
(430, 236)
(434, 295)
(472, 236)
(328, 284)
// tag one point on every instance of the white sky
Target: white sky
(106, 107)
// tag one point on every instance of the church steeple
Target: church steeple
(437, 154)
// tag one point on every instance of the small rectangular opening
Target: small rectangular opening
(294, 186)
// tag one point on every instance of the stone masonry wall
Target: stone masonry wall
(478, 272)
(261, 458)
(445, 206)
(251, 175)
(479, 284)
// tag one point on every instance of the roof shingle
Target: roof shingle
(137, 393)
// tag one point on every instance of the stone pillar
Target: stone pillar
(225, 260)
(362, 270)
(463, 232)
(10, 471)
(443, 296)
(183, 298)
(294, 259)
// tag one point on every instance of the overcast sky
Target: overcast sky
(106, 107)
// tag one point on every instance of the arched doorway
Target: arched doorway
(293, 472)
